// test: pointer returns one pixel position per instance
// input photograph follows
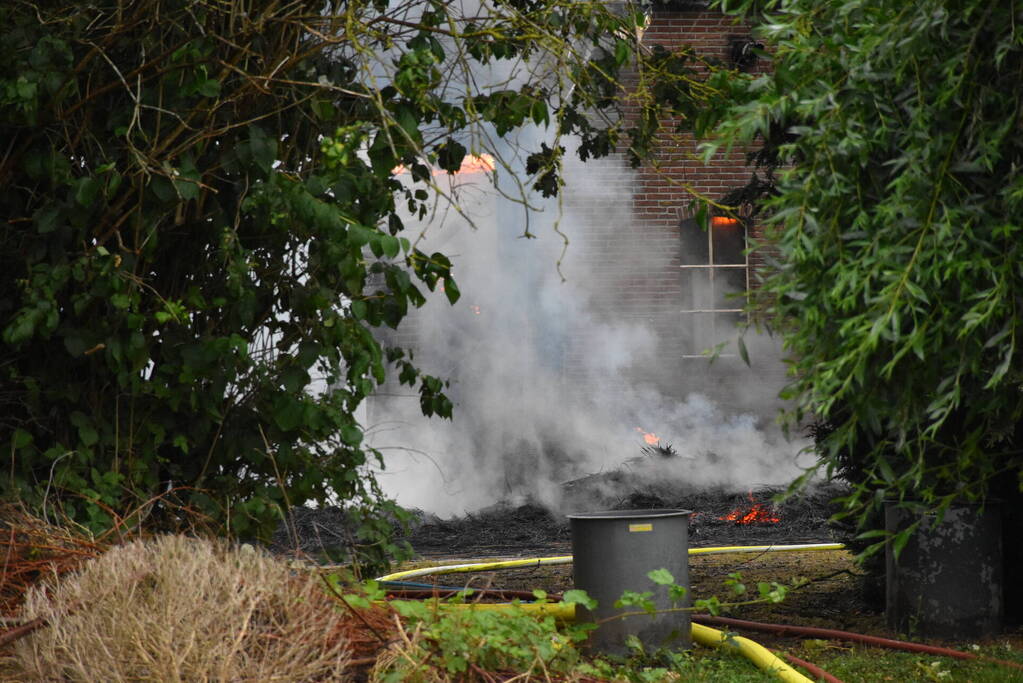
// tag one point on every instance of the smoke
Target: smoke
(558, 371)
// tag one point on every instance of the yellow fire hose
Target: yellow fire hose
(704, 635)
(567, 559)
(755, 652)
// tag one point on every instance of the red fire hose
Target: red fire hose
(818, 673)
(832, 634)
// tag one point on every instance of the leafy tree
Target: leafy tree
(897, 222)
(202, 219)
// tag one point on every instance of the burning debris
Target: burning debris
(650, 439)
(722, 517)
(664, 451)
(754, 513)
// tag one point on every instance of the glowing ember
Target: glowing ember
(651, 439)
(756, 513)
(723, 221)
(484, 163)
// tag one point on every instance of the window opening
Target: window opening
(715, 270)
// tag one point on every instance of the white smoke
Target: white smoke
(551, 380)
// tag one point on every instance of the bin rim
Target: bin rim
(630, 514)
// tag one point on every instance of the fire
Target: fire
(757, 513)
(723, 221)
(651, 439)
(484, 163)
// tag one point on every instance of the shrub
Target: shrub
(183, 609)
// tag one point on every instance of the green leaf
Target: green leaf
(901, 539)
(263, 148)
(773, 592)
(711, 604)
(451, 290)
(21, 439)
(886, 470)
(25, 89)
(873, 533)
(743, 352)
(88, 434)
(323, 109)
(538, 112)
(636, 599)
(359, 309)
(187, 185)
(450, 155)
(46, 218)
(288, 413)
(662, 577)
(409, 123)
(163, 189)
(351, 435)
(294, 379)
(86, 190)
(210, 88)
(579, 597)
(359, 235)
(390, 245)
(357, 601)
(622, 52)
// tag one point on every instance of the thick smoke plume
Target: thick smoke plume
(551, 381)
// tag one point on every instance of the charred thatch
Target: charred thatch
(501, 528)
(517, 529)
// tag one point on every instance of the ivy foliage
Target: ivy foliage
(898, 230)
(203, 227)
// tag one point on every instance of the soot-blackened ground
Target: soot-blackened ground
(525, 529)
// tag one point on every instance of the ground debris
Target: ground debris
(501, 526)
(518, 528)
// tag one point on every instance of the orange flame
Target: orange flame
(484, 163)
(723, 221)
(757, 513)
(651, 439)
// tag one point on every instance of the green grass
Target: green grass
(719, 666)
(869, 664)
(852, 665)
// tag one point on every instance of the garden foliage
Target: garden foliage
(898, 234)
(204, 227)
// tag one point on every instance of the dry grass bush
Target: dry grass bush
(31, 548)
(182, 609)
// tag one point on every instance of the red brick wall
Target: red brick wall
(625, 251)
(633, 263)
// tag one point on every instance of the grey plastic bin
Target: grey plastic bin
(614, 551)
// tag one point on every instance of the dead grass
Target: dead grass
(31, 548)
(182, 609)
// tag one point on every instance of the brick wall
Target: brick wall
(633, 262)
(623, 263)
